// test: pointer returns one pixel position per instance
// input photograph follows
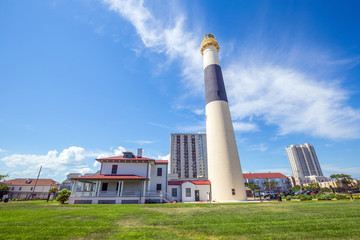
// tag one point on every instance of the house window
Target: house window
(19, 188)
(31, 188)
(114, 169)
(104, 187)
(117, 186)
(188, 192)
(12, 188)
(233, 191)
(174, 192)
(158, 187)
(159, 172)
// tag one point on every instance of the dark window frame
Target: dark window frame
(158, 187)
(188, 192)
(114, 169)
(159, 172)
(174, 193)
(104, 187)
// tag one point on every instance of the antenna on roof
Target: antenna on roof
(139, 152)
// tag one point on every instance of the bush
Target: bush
(63, 196)
(324, 197)
(305, 197)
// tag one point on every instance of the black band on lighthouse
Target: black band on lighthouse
(214, 84)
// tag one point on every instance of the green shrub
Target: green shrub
(63, 196)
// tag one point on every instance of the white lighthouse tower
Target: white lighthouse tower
(224, 169)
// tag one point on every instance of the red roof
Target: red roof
(201, 182)
(264, 175)
(111, 177)
(175, 182)
(161, 161)
(121, 158)
(31, 182)
(196, 182)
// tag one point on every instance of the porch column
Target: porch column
(148, 185)
(73, 189)
(118, 193)
(96, 186)
(82, 187)
(98, 191)
(122, 188)
(144, 187)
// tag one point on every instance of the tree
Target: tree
(314, 186)
(295, 188)
(343, 179)
(2, 177)
(271, 185)
(3, 190)
(63, 196)
(52, 191)
(3, 187)
(252, 187)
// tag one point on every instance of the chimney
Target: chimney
(139, 152)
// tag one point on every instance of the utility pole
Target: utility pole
(32, 194)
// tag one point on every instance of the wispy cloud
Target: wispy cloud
(261, 84)
(292, 100)
(259, 147)
(244, 127)
(141, 142)
(285, 171)
(335, 169)
(159, 125)
(199, 127)
(2, 150)
(167, 35)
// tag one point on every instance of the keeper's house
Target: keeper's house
(123, 179)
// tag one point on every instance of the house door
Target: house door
(197, 195)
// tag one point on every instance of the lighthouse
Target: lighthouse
(224, 169)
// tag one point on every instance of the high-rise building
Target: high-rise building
(188, 155)
(224, 168)
(303, 162)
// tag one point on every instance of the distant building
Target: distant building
(188, 155)
(304, 162)
(260, 179)
(24, 187)
(68, 182)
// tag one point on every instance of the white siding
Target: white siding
(138, 169)
(178, 189)
(154, 179)
(183, 195)
(203, 190)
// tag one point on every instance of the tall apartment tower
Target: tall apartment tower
(303, 161)
(188, 155)
(224, 169)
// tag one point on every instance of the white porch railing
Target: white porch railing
(148, 194)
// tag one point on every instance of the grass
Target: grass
(275, 220)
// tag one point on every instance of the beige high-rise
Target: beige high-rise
(224, 169)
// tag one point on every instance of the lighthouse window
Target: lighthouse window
(233, 191)
(209, 36)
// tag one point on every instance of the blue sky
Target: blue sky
(82, 79)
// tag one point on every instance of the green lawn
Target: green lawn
(275, 220)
